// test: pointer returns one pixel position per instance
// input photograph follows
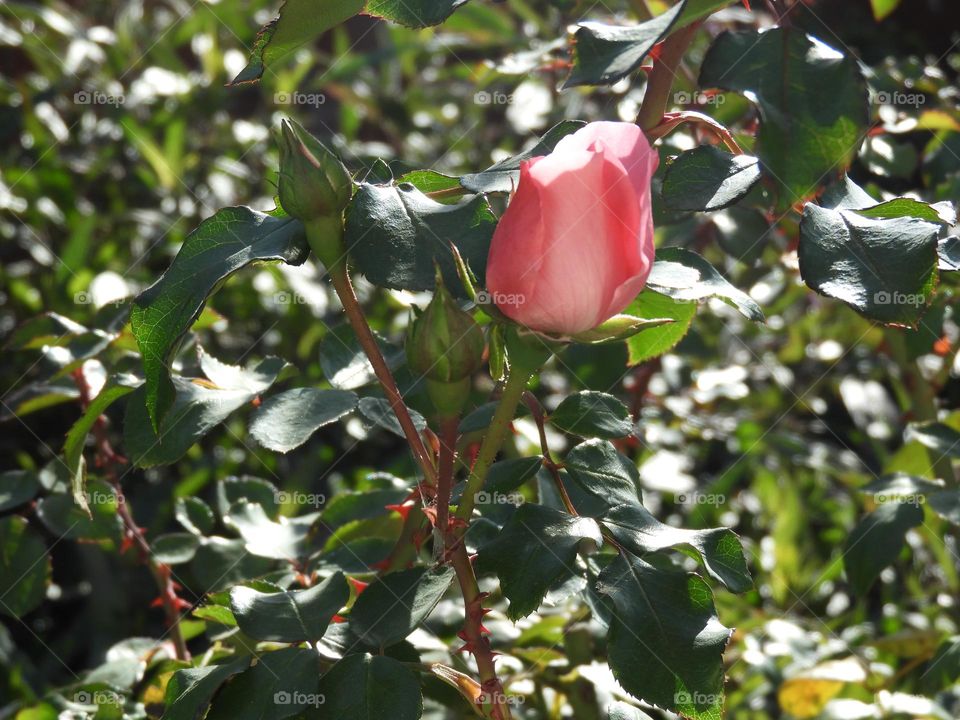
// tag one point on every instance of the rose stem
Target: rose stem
(340, 278)
(660, 79)
(109, 460)
(446, 466)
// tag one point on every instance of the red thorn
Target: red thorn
(157, 602)
(358, 585)
(746, 4)
(403, 509)
(337, 619)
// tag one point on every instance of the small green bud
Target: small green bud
(314, 184)
(445, 345)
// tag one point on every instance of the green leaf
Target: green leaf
(812, 101)
(233, 238)
(24, 567)
(77, 437)
(281, 684)
(231, 490)
(287, 420)
(877, 541)
(504, 175)
(883, 8)
(198, 408)
(937, 436)
(684, 275)
(665, 641)
(345, 364)
(393, 605)
(900, 487)
(719, 548)
(603, 54)
(365, 687)
(175, 548)
(413, 13)
(190, 690)
(17, 487)
(653, 342)
(601, 470)
(883, 268)
(284, 540)
(195, 515)
(592, 414)
(299, 22)
(397, 235)
(507, 475)
(65, 519)
(349, 506)
(380, 413)
(221, 563)
(708, 178)
(289, 616)
(536, 549)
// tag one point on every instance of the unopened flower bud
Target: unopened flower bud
(445, 345)
(314, 184)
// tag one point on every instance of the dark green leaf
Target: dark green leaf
(232, 490)
(653, 342)
(707, 178)
(398, 234)
(195, 515)
(393, 605)
(299, 22)
(684, 275)
(592, 414)
(350, 506)
(222, 244)
(603, 54)
(281, 684)
(197, 409)
(719, 548)
(877, 541)
(190, 690)
(883, 268)
(289, 616)
(536, 549)
(665, 640)
(24, 567)
(504, 175)
(379, 412)
(812, 101)
(221, 563)
(938, 436)
(599, 469)
(175, 548)
(369, 687)
(507, 475)
(65, 519)
(283, 540)
(900, 487)
(344, 363)
(414, 13)
(17, 487)
(287, 420)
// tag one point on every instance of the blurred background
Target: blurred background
(119, 134)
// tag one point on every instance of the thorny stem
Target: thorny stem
(475, 636)
(351, 306)
(660, 79)
(446, 467)
(110, 460)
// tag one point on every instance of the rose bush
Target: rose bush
(575, 245)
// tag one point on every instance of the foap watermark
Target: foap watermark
(300, 498)
(682, 97)
(485, 297)
(100, 497)
(899, 98)
(98, 697)
(486, 97)
(289, 298)
(917, 499)
(885, 297)
(298, 699)
(95, 97)
(498, 698)
(299, 98)
(498, 498)
(697, 699)
(695, 497)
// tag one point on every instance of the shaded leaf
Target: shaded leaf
(286, 421)
(24, 567)
(877, 541)
(370, 686)
(289, 616)
(707, 178)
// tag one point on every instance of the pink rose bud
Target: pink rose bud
(575, 245)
